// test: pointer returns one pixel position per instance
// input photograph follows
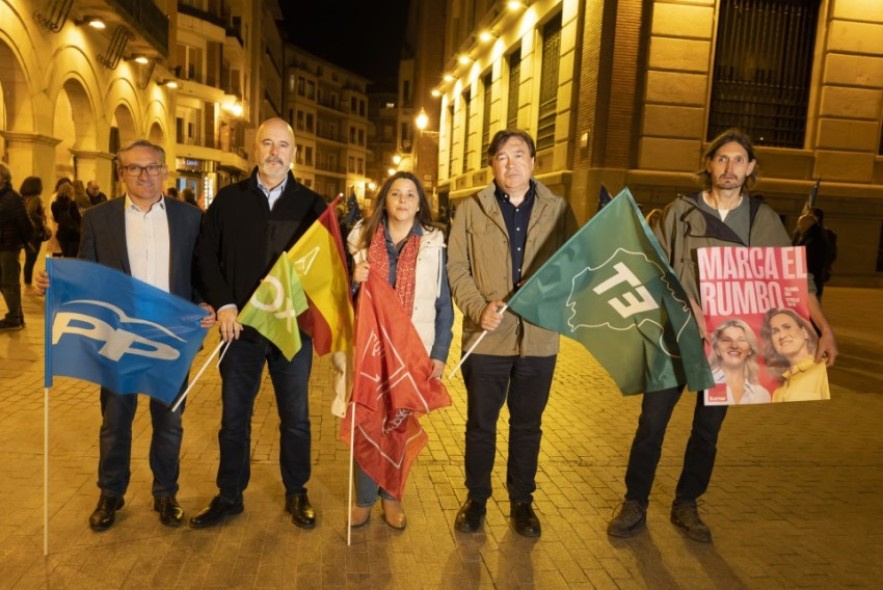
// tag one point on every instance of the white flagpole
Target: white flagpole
(198, 375)
(471, 348)
(221, 358)
(45, 471)
(349, 517)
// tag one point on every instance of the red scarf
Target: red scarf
(406, 267)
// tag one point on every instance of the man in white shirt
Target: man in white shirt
(151, 238)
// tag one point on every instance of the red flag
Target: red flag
(392, 388)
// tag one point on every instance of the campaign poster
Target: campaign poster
(761, 344)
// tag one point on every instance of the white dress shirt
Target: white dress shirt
(148, 244)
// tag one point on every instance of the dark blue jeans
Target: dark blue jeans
(656, 409)
(241, 372)
(115, 444)
(522, 383)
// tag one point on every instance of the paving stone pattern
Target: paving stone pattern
(795, 501)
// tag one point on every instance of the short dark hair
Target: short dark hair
(502, 136)
(721, 140)
(32, 185)
(145, 144)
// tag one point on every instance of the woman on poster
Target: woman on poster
(789, 349)
(733, 361)
(400, 243)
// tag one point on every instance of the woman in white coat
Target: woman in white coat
(400, 243)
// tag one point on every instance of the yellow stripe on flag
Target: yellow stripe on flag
(316, 259)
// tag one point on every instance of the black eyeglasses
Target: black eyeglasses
(134, 170)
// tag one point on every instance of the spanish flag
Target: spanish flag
(318, 259)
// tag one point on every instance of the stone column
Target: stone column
(92, 165)
(31, 154)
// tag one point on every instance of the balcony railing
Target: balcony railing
(332, 136)
(215, 19)
(330, 167)
(149, 21)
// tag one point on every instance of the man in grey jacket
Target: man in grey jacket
(498, 238)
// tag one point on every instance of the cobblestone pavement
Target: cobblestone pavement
(795, 501)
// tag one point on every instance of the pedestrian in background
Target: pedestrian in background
(498, 237)
(31, 189)
(16, 232)
(67, 220)
(53, 246)
(811, 235)
(188, 196)
(93, 191)
(81, 197)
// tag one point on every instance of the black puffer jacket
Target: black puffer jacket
(15, 228)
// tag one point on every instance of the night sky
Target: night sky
(364, 36)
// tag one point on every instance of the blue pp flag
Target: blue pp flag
(111, 329)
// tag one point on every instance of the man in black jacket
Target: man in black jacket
(16, 231)
(248, 225)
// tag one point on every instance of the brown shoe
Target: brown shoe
(686, 516)
(394, 514)
(359, 516)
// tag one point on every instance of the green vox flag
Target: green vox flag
(610, 288)
(275, 305)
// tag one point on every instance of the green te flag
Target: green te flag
(275, 305)
(610, 288)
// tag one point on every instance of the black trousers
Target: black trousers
(522, 383)
(656, 409)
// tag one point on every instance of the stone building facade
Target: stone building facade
(629, 93)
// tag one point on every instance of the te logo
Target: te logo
(632, 302)
(117, 340)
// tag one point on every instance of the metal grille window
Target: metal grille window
(549, 84)
(486, 119)
(762, 69)
(467, 115)
(514, 83)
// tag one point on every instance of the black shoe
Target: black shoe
(302, 513)
(216, 511)
(10, 326)
(104, 514)
(629, 521)
(524, 520)
(170, 512)
(470, 516)
(686, 516)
